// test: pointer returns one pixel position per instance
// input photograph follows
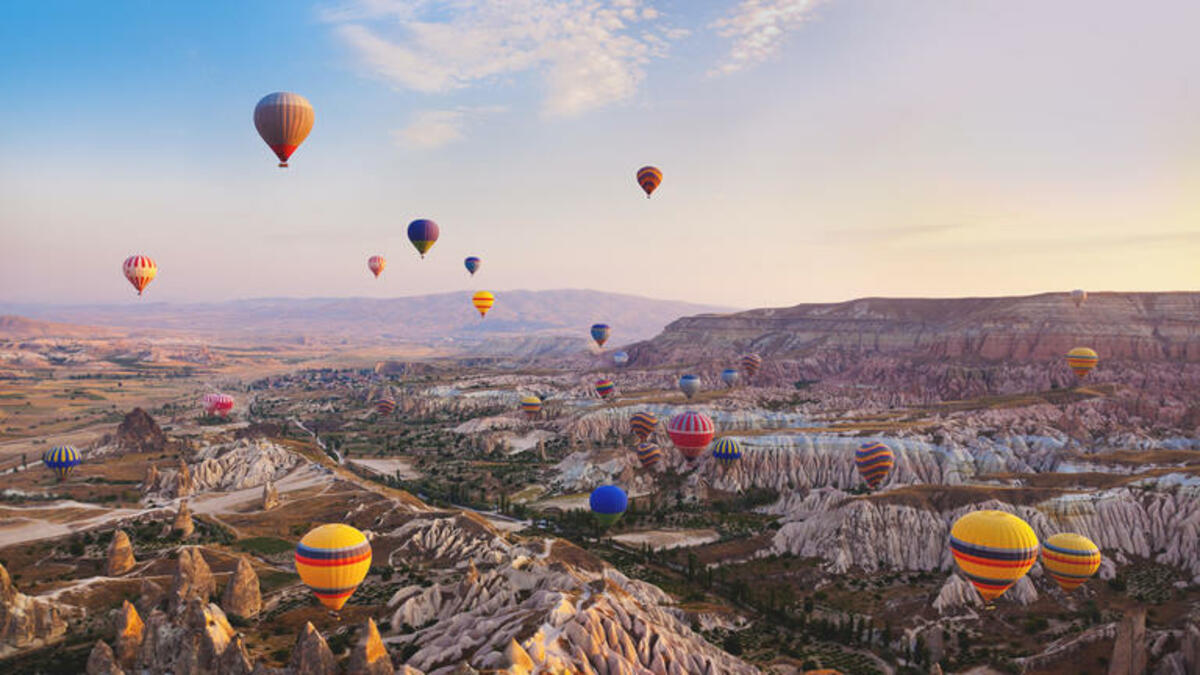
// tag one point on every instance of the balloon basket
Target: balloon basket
(283, 165)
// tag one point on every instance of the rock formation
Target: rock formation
(152, 478)
(130, 633)
(183, 480)
(150, 596)
(245, 463)
(369, 656)
(183, 521)
(120, 554)
(196, 640)
(270, 496)
(311, 655)
(1129, 649)
(101, 660)
(242, 597)
(140, 433)
(193, 579)
(26, 621)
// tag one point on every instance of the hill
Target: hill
(18, 327)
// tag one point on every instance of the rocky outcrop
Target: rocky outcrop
(193, 579)
(182, 484)
(120, 555)
(150, 596)
(183, 521)
(1129, 648)
(140, 433)
(242, 596)
(311, 655)
(27, 621)
(369, 656)
(130, 632)
(194, 641)
(102, 661)
(245, 463)
(270, 496)
(236, 660)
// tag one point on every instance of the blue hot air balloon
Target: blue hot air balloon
(620, 358)
(729, 376)
(608, 503)
(472, 264)
(423, 233)
(689, 385)
(600, 333)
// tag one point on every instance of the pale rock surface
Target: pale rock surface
(369, 656)
(183, 521)
(27, 621)
(242, 596)
(245, 463)
(193, 579)
(120, 554)
(194, 641)
(311, 655)
(150, 596)
(270, 496)
(1129, 647)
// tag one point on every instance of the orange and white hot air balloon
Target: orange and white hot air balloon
(140, 270)
(376, 263)
(483, 301)
(283, 119)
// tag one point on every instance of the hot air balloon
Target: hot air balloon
(1078, 296)
(376, 263)
(140, 270)
(605, 387)
(209, 402)
(648, 454)
(222, 404)
(385, 405)
(649, 177)
(600, 332)
(483, 301)
(333, 560)
(423, 233)
(993, 549)
(472, 264)
(1070, 559)
(729, 376)
(608, 503)
(874, 461)
(62, 459)
(727, 451)
(620, 358)
(1082, 360)
(531, 406)
(751, 363)
(689, 385)
(691, 432)
(643, 424)
(283, 119)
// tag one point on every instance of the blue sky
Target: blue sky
(811, 150)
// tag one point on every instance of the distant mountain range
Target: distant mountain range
(440, 318)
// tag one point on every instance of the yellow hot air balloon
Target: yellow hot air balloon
(483, 301)
(1070, 559)
(1082, 360)
(333, 560)
(993, 549)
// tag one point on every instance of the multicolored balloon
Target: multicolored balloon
(875, 461)
(332, 560)
(472, 264)
(726, 451)
(605, 387)
(531, 406)
(283, 119)
(385, 405)
(483, 301)
(691, 432)
(643, 424)
(376, 263)
(729, 376)
(1078, 296)
(751, 363)
(689, 385)
(620, 358)
(1082, 360)
(1070, 559)
(608, 503)
(649, 177)
(648, 454)
(994, 549)
(600, 333)
(62, 460)
(423, 233)
(140, 270)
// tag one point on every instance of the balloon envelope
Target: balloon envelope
(483, 301)
(376, 263)
(531, 406)
(729, 376)
(643, 424)
(283, 119)
(472, 264)
(874, 461)
(332, 560)
(994, 549)
(423, 233)
(1070, 559)
(620, 358)
(605, 387)
(62, 460)
(689, 385)
(751, 363)
(691, 432)
(1082, 360)
(608, 502)
(648, 454)
(1078, 296)
(600, 333)
(385, 405)
(140, 270)
(727, 451)
(649, 177)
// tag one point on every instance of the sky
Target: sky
(812, 150)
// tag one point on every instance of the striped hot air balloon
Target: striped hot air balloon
(140, 270)
(1070, 559)
(62, 460)
(648, 454)
(689, 385)
(423, 233)
(332, 560)
(727, 451)
(691, 432)
(649, 177)
(222, 404)
(751, 363)
(376, 263)
(1082, 360)
(483, 301)
(600, 333)
(531, 406)
(283, 119)
(472, 264)
(875, 461)
(605, 387)
(643, 424)
(385, 405)
(608, 503)
(729, 376)
(993, 549)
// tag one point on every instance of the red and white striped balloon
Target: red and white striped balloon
(217, 404)
(140, 270)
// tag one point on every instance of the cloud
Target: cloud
(758, 29)
(435, 128)
(588, 53)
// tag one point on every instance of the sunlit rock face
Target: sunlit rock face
(27, 621)
(245, 463)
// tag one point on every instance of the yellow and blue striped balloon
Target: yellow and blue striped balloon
(648, 454)
(643, 424)
(333, 560)
(1082, 360)
(727, 451)
(1070, 559)
(993, 549)
(62, 459)
(531, 406)
(874, 461)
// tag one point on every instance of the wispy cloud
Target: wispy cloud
(435, 128)
(589, 53)
(758, 29)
